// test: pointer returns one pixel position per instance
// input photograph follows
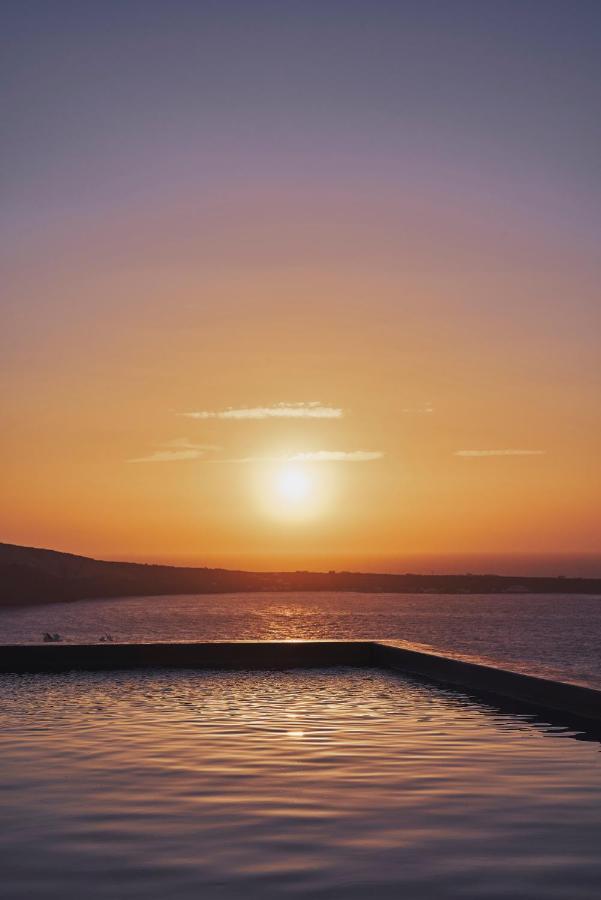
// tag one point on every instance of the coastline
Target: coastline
(31, 576)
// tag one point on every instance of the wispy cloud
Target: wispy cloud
(176, 451)
(315, 456)
(419, 410)
(312, 410)
(161, 456)
(337, 456)
(500, 452)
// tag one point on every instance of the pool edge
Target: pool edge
(539, 694)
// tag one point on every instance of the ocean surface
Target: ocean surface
(557, 636)
(321, 784)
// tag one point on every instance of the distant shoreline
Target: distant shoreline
(31, 576)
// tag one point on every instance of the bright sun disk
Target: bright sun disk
(293, 484)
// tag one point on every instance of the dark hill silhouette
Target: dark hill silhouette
(33, 576)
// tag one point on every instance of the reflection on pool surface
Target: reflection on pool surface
(304, 784)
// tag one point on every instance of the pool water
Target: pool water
(317, 784)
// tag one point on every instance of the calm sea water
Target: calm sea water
(328, 784)
(557, 636)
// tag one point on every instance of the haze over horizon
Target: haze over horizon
(297, 282)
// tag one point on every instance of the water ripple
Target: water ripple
(304, 784)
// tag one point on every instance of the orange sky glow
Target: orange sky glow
(397, 303)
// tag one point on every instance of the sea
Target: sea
(553, 635)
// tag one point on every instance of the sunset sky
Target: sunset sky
(303, 284)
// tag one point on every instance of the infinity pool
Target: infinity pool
(333, 783)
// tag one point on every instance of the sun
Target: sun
(293, 491)
(293, 485)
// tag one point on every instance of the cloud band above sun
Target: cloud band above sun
(312, 410)
(337, 456)
(315, 456)
(181, 449)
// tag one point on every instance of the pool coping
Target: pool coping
(542, 695)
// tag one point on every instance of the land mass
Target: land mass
(29, 576)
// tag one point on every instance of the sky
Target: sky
(303, 284)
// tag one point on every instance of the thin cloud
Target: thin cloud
(315, 456)
(185, 444)
(176, 451)
(312, 410)
(161, 456)
(500, 452)
(337, 456)
(419, 410)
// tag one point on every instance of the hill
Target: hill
(34, 576)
